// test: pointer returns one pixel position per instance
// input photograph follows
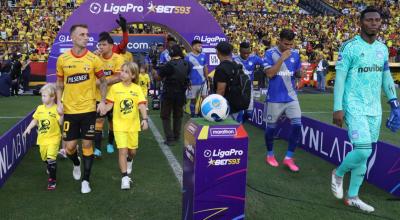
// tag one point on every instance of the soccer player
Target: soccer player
(112, 67)
(362, 70)
(282, 65)
(128, 99)
(77, 70)
(48, 121)
(198, 75)
(249, 62)
(144, 82)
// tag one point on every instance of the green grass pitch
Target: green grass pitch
(272, 193)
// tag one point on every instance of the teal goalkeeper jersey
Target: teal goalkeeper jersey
(364, 68)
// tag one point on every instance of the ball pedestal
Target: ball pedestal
(214, 170)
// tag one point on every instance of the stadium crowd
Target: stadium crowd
(254, 21)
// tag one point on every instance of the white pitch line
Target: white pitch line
(173, 163)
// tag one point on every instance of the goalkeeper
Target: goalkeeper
(361, 71)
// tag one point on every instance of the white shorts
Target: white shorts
(197, 90)
(273, 111)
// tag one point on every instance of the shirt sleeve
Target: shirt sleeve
(268, 61)
(141, 98)
(35, 115)
(59, 67)
(98, 67)
(387, 81)
(342, 67)
(220, 76)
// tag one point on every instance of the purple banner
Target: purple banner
(332, 144)
(13, 147)
(214, 171)
(187, 19)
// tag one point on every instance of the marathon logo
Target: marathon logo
(374, 68)
(223, 131)
(77, 78)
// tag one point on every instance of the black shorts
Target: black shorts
(78, 126)
(108, 115)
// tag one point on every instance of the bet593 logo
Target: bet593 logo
(218, 157)
(168, 9)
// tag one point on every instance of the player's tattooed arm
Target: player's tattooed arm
(103, 91)
(103, 88)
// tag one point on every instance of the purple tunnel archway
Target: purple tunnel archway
(188, 19)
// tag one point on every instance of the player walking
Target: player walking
(361, 71)
(77, 70)
(282, 65)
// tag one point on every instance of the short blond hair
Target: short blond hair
(134, 69)
(49, 88)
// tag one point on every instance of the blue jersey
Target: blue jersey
(197, 65)
(281, 87)
(362, 70)
(164, 57)
(249, 65)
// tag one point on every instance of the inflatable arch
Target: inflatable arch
(187, 19)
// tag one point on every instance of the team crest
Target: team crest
(44, 126)
(126, 106)
(292, 60)
(86, 67)
(250, 63)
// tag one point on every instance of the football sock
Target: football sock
(97, 139)
(74, 158)
(356, 162)
(52, 167)
(87, 162)
(294, 138)
(192, 109)
(269, 138)
(124, 174)
(110, 137)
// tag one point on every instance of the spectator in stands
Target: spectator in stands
(15, 73)
(26, 73)
(322, 71)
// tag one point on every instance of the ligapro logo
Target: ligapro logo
(208, 39)
(97, 8)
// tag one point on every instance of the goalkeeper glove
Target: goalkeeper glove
(122, 23)
(393, 122)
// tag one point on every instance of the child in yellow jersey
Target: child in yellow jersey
(49, 134)
(144, 82)
(127, 99)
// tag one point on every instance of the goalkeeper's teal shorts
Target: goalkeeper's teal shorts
(363, 129)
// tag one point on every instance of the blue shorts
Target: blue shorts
(363, 129)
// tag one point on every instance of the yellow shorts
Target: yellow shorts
(49, 151)
(126, 139)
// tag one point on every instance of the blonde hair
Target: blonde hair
(133, 69)
(49, 88)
